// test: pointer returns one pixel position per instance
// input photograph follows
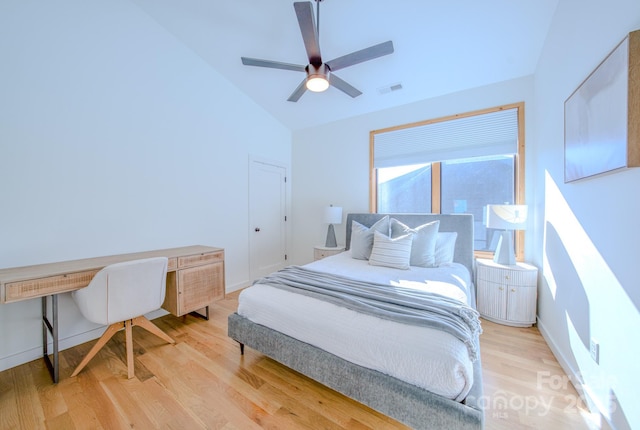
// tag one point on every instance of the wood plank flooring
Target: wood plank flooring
(202, 382)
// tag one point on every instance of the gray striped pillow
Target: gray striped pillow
(362, 237)
(390, 252)
(423, 252)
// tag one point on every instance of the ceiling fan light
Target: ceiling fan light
(317, 83)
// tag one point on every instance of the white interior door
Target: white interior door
(267, 218)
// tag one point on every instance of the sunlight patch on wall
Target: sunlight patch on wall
(585, 258)
(594, 304)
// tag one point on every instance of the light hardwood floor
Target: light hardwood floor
(203, 382)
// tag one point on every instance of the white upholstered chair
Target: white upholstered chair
(118, 296)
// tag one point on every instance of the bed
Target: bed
(377, 361)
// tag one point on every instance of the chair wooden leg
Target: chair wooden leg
(112, 329)
(108, 334)
(152, 328)
(129, 340)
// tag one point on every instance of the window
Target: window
(404, 189)
(457, 164)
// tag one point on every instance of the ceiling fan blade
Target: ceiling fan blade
(360, 56)
(304, 11)
(298, 92)
(272, 64)
(344, 86)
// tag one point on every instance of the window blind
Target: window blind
(493, 133)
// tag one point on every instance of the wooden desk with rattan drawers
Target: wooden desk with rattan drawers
(195, 279)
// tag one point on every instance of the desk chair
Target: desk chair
(119, 295)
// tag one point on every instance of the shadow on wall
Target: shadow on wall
(618, 417)
(589, 301)
(570, 294)
(572, 298)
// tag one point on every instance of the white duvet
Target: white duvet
(422, 356)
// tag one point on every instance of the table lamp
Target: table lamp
(332, 215)
(506, 218)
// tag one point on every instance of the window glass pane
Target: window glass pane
(404, 189)
(469, 185)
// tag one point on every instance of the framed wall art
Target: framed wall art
(602, 116)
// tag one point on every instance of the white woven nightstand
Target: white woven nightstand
(507, 294)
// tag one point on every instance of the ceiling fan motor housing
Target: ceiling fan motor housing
(317, 77)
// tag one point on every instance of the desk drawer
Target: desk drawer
(200, 259)
(172, 264)
(46, 286)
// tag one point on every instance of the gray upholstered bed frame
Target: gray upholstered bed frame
(404, 402)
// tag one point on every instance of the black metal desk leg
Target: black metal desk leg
(51, 327)
(199, 315)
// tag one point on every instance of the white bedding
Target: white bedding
(422, 356)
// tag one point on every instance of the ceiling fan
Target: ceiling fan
(320, 74)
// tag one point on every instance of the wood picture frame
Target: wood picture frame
(602, 116)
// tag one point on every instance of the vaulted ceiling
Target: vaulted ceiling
(441, 47)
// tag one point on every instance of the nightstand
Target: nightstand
(507, 294)
(319, 252)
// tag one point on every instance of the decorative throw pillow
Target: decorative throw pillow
(390, 252)
(362, 237)
(445, 247)
(423, 248)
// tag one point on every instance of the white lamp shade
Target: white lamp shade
(507, 217)
(333, 215)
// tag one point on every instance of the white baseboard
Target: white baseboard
(237, 286)
(37, 352)
(592, 402)
(63, 343)
(68, 342)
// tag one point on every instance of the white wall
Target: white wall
(331, 162)
(587, 232)
(115, 138)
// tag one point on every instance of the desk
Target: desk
(195, 278)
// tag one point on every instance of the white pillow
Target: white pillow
(445, 247)
(423, 249)
(390, 252)
(362, 237)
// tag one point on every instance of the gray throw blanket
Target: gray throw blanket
(394, 303)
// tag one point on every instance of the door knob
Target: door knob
(257, 228)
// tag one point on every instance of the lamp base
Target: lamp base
(504, 251)
(331, 238)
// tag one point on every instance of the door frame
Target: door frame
(253, 160)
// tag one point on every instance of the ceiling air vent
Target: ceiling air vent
(390, 88)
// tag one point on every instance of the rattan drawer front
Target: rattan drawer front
(200, 286)
(198, 259)
(45, 286)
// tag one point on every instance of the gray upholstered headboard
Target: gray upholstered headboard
(460, 223)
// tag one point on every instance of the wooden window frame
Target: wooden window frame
(436, 185)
